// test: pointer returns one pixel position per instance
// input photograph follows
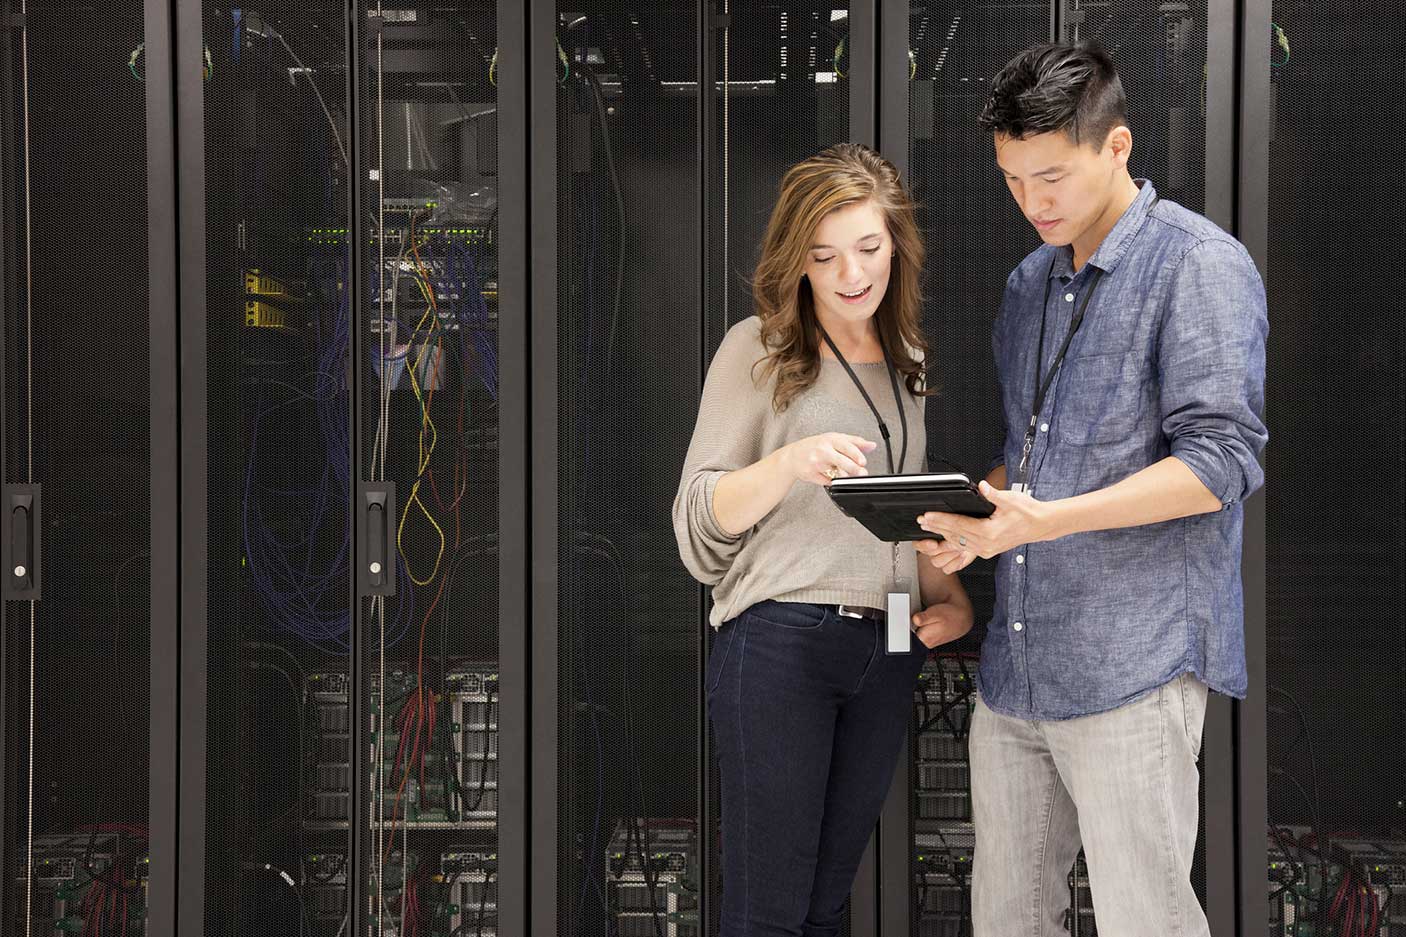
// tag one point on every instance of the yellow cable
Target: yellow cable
(426, 449)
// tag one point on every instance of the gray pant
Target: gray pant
(1123, 784)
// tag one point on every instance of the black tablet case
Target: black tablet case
(889, 505)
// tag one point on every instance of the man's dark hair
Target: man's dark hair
(1057, 86)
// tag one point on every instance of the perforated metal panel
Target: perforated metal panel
(429, 422)
(277, 771)
(77, 422)
(1336, 575)
(628, 332)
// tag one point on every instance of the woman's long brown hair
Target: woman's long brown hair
(837, 177)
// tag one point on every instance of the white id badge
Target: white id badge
(900, 620)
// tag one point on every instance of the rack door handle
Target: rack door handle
(376, 553)
(21, 546)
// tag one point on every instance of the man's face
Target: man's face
(1063, 188)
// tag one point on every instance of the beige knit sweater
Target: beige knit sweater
(805, 550)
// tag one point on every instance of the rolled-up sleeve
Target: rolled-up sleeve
(726, 437)
(1211, 362)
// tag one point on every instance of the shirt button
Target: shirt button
(1020, 560)
(1044, 427)
(1069, 297)
(1017, 626)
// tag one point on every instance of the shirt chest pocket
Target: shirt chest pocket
(1100, 399)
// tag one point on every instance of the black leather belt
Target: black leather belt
(862, 611)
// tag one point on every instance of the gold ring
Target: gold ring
(832, 472)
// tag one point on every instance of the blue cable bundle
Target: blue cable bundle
(300, 595)
(473, 320)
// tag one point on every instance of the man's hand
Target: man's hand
(942, 622)
(1019, 519)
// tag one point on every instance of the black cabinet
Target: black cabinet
(88, 477)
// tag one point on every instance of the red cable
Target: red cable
(419, 719)
(429, 740)
(403, 719)
(1337, 900)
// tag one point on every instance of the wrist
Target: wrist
(1061, 519)
(781, 464)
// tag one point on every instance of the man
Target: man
(1130, 350)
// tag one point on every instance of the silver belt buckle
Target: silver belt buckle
(850, 612)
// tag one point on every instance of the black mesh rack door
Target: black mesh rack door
(78, 468)
(278, 585)
(1335, 703)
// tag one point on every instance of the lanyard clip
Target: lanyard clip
(1025, 451)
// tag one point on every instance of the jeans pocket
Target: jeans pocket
(797, 616)
(1193, 708)
(717, 657)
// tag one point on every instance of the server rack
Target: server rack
(1334, 581)
(355, 410)
(89, 456)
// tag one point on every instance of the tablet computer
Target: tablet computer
(889, 505)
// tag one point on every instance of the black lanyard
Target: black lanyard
(1042, 385)
(897, 399)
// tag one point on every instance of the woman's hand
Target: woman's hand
(942, 622)
(810, 459)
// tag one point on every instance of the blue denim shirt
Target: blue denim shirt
(1169, 360)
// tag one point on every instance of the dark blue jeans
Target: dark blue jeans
(808, 714)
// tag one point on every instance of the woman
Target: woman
(808, 710)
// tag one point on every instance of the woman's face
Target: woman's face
(849, 261)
